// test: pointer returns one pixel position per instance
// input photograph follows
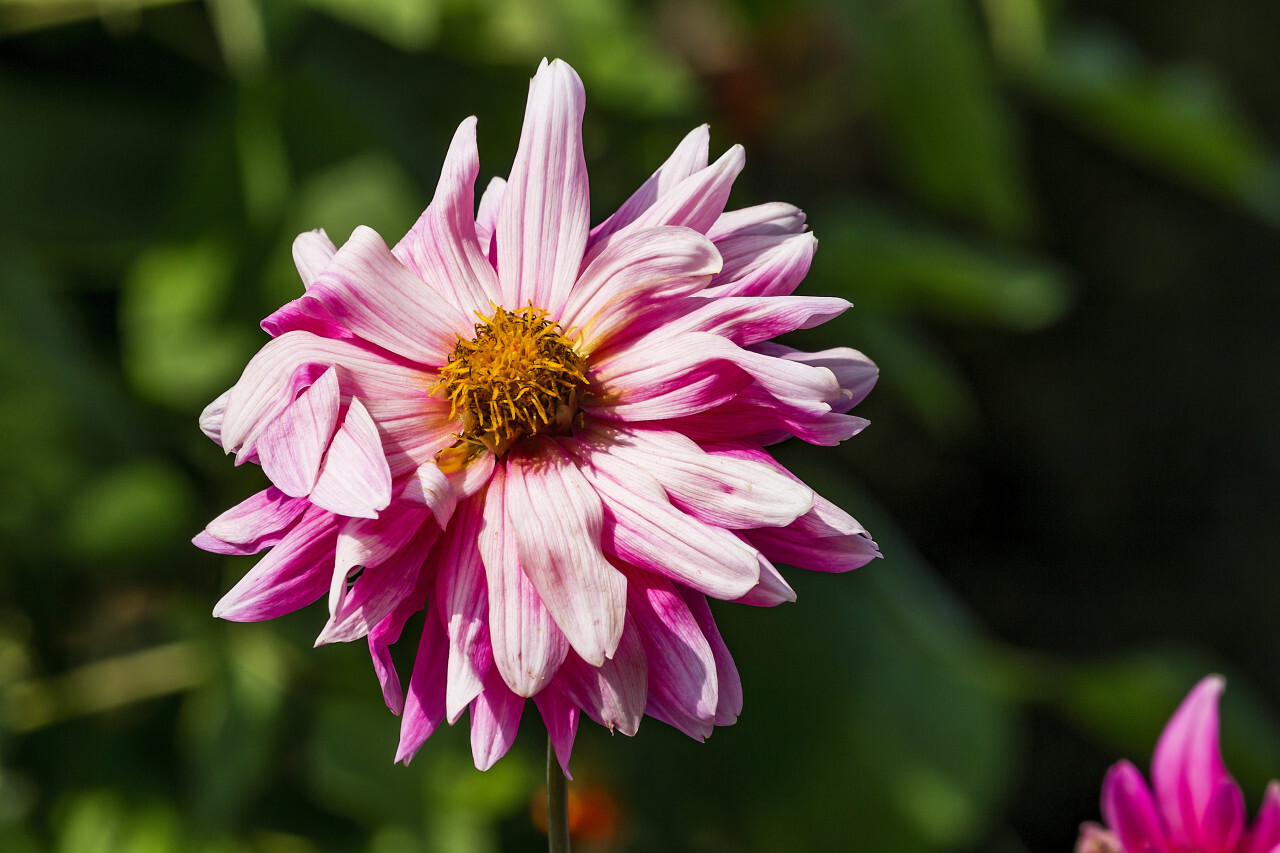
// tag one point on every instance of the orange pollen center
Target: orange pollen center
(518, 377)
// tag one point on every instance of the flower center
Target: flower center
(518, 377)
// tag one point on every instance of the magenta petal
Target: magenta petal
(560, 716)
(1130, 811)
(424, 704)
(1224, 818)
(629, 278)
(443, 248)
(355, 480)
(689, 157)
(253, 524)
(772, 590)
(413, 428)
(528, 647)
(369, 292)
(312, 252)
(387, 632)
(544, 220)
(1187, 767)
(613, 694)
(379, 590)
(292, 446)
(462, 596)
(683, 686)
(718, 490)
(643, 528)
(370, 542)
(1265, 834)
(495, 719)
(556, 517)
(729, 685)
(293, 574)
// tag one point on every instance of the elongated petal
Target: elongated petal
(487, 215)
(763, 265)
(643, 528)
(658, 378)
(855, 373)
(495, 719)
(695, 202)
(367, 290)
(545, 215)
(632, 276)
(556, 517)
(775, 217)
(312, 252)
(749, 320)
(729, 685)
(560, 716)
(355, 480)
(772, 589)
(291, 362)
(689, 157)
(424, 704)
(1130, 811)
(443, 247)
(719, 490)
(292, 446)
(613, 694)
(293, 574)
(413, 428)
(370, 542)
(683, 686)
(528, 647)
(255, 523)
(462, 596)
(379, 590)
(387, 632)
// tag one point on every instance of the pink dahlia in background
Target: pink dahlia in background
(548, 435)
(1197, 807)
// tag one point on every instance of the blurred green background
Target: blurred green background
(1058, 221)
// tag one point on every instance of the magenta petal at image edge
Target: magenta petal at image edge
(549, 435)
(1196, 807)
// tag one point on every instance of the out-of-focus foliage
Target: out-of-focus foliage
(158, 157)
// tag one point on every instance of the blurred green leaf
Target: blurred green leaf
(129, 510)
(948, 131)
(407, 24)
(1178, 118)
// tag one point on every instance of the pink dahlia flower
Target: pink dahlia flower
(550, 436)
(1197, 806)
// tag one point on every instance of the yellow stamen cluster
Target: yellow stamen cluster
(518, 377)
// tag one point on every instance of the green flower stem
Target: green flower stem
(557, 804)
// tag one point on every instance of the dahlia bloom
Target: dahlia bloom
(1197, 807)
(550, 436)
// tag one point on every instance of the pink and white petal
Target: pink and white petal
(424, 704)
(293, 574)
(631, 277)
(756, 416)
(431, 488)
(379, 590)
(613, 694)
(758, 266)
(292, 446)
(658, 378)
(689, 157)
(683, 686)
(495, 719)
(855, 373)
(387, 632)
(772, 590)
(528, 647)
(462, 597)
(644, 529)
(355, 479)
(211, 417)
(794, 547)
(368, 291)
(487, 215)
(775, 217)
(560, 716)
(1187, 767)
(302, 315)
(370, 542)
(443, 247)
(750, 320)
(255, 523)
(545, 214)
(473, 475)
(1130, 811)
(729, 685)
(718, 490)
(698, 200)
(312, 252)
(414, 428)
(291, 362)
(556, 517)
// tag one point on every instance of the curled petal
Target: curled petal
(772, 218)
(487, 215)
(763, 265)
(355, 480)
(379, 590)
(293, 574)
(312, 252)
(211, 418)
(292, 446)
(253, 524)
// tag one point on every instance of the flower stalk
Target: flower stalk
(557, 804)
